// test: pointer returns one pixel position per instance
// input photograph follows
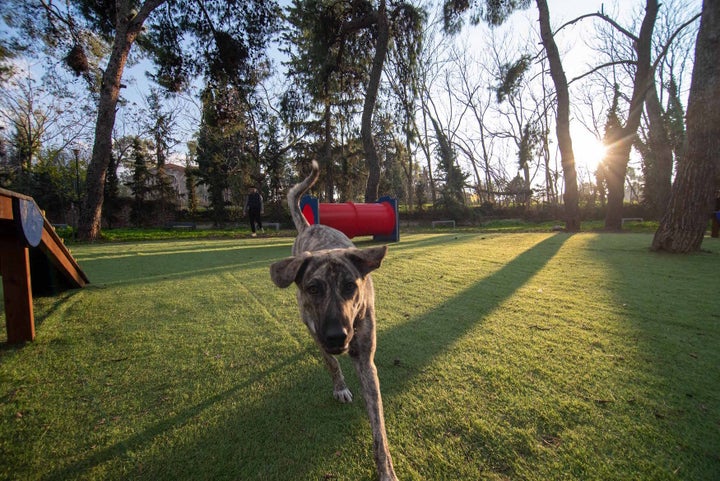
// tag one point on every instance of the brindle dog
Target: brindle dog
(337, 304)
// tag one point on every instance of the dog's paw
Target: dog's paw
(344, 395)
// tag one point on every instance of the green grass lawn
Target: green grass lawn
(530, 356)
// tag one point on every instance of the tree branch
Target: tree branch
(600, 67)
(665, 48)
(604, 17)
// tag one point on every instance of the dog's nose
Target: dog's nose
(336, 336)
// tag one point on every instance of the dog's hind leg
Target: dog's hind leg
(340, 389)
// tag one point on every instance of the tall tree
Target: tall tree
(140, 181)
(183, 37)
(403, 78)
(642, 56)
(381, 48)
(664, 123)
(330, 56)
(562, 120)
(619, 152)
(452, 192)
(342, 45)
(226, 146)
(683, 225)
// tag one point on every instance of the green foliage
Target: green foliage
(675, 120)
(56, 184)
(452, 197)
(227, 154)
(530, 142)
(613, 124)
(493, 12)
(226, 39)
(510, 76)
(7, 53)
(53, 180)
(220, 39)
(111, 196)
(140, 185)
(330, 46)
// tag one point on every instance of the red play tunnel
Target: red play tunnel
(379, 219)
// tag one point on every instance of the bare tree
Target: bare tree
(471, 92)
(638, 59)
(562, 120)
(37, 118)
(619, 150)
(662, 131)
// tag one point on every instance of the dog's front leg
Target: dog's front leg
(367, 373)
(340, 389)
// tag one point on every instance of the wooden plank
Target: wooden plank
(6, 211)
(60, 256)
(17, 290)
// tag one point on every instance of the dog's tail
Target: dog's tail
(297, 192)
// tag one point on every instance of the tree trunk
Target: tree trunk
(371, 156)
(125, 35)
(423, 139)
(410, 170)
(567, 156)
(327, 152)
(658, 175)
(619, 158)
(683, 226)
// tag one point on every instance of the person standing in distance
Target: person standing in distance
(254, 209)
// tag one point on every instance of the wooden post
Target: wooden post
(17, 290)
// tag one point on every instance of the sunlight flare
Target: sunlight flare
(589, 152)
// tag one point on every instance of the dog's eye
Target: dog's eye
(313, 290)
(349, 288)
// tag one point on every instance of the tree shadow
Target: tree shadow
(670, 313)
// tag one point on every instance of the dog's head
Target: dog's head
(332, 290)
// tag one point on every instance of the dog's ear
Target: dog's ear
(368, 259)
(285, 272)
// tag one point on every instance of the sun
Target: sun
(589, 152)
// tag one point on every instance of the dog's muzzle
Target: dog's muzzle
(336, 339)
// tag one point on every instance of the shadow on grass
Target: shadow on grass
(137, 441)
(56, 303)
(670, 306)
(275, 437)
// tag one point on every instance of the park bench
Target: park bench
(450, 223)
(630, 219)
(183, 225)
(272, 224)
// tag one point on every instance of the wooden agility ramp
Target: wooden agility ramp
(32, 258)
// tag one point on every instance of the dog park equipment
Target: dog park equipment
(379, 219)
(32, 258)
